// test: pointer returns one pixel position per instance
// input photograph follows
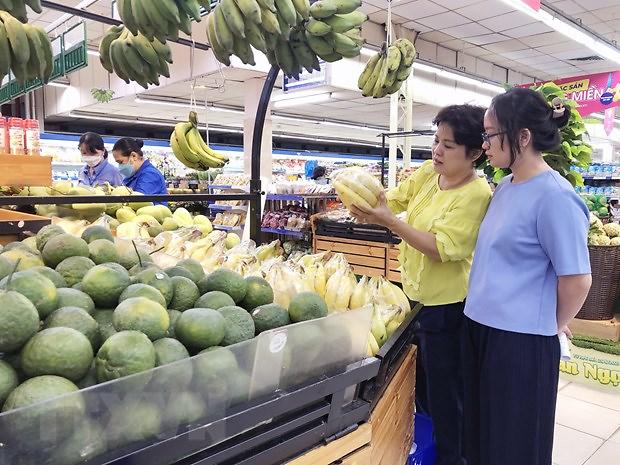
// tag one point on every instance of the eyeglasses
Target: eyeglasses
(486, 137)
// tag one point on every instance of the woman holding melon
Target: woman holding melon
(445, 201)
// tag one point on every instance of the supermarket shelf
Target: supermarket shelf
(67, 164)
(299, 197)
(229, 188)
(285, 232)
(238, 208)
(221, 227)
(588, 177)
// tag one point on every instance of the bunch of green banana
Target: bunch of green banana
(387, 70)
(190, 148)
(24, 49)
(334, 29)
(134, 57)
(17, 8)
(287, 31)
(161, 18)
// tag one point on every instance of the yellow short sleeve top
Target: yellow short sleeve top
(454, 216)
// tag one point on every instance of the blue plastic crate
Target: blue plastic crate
(423, 448)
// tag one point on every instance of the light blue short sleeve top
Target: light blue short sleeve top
(533, 232)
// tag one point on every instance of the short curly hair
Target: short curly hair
(467, 124)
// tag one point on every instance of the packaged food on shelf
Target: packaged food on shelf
(293, 217)
(301, 188)
(228, 179)
(16, 136)
(229, 219)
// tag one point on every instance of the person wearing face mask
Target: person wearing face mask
(97, 170)
(139, 173)
(445, 201)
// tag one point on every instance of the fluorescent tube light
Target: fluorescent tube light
(170, 103)
(292, 102)
(58, 84)
(442, 72)
(351, 126)
(569, 29)
(297, 94)
(94, 53)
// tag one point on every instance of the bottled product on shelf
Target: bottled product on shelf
(4, 136)
(32, 137)
(16, 136)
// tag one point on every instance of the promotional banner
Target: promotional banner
(594, 93)
(592, 367)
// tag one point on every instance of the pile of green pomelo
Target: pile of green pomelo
(80, 311)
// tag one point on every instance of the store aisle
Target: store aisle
(587, 426)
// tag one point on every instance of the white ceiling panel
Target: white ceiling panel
(569, 7)
(528, 30)
(444, 20)
(596, 4)
(417, 27)
(506, 21)
(486, 39)
(506, 46)
(484, 10)
(418, 9)
(467, 30)
(547, 38)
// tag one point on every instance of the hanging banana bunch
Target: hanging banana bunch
(293, 34)
(17, 8)
(134, 57)
(25, 50)
(160, 19)
(190, 148)
(386, 71)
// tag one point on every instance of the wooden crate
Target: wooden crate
(392, 418)
(392, 271)
(338, 449)
(15, 226)
(24, 170)
(366, 257)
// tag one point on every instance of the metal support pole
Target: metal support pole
(408, 85)
(257, 143)
(112, 22)
(383, 159)
(393, 142)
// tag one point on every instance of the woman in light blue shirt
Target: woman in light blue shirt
(97, 170)
(530, 277)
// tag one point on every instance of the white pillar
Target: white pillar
(253, 89)
(408, 91)
(393, 141)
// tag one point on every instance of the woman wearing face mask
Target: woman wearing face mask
(530, 277)
(140, 175)
(445, 201)
(97, 170)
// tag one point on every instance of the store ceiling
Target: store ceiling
(488, 29)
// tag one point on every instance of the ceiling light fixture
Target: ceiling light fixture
(59, 84)
(297, 94)
(296, 101)
(170, 103)
(352, 126)
(442, 72)
(558, 22)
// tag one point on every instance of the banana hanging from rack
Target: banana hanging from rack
(25, 50)
(134, 57)
(386, 71)
(190, 148)
(161, 19)
(17, 8)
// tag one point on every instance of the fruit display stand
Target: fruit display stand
(370, 249)
(25, 170)
(385, 439)
(261, 401)
(15, 226)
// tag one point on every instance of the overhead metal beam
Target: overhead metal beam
(111, 21)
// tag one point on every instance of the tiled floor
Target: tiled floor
(587, 426)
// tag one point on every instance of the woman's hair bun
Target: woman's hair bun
(140, 143)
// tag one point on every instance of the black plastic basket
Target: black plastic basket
(349, 230)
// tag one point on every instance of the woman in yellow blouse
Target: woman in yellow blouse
(445, 201)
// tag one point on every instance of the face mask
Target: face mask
(92, 160)
(126, 170)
